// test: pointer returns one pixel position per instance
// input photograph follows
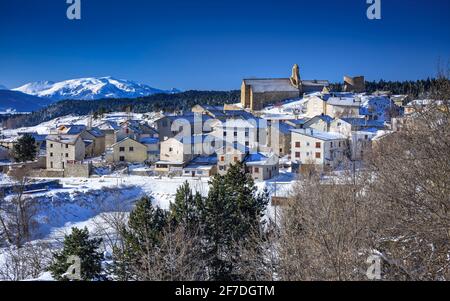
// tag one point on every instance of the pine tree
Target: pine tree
(140, 238)
(232, 211)
(78, 244)
(25, 149)
(186, 208)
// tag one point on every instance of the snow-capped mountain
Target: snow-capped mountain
(90, 88)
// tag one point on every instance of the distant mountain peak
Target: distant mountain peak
(90, 88)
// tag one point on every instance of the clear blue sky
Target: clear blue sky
(214, 44)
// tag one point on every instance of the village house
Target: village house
(320, 123)
(380, 108)
(110, 129)
(228, 155)
(334, 105)
(262, 166)
(136, 130)
(260, 92)
(10, 142)
(279, 138)
(93, 138)
(177, 152)
(322, 149)
(195, 123)
(127, 150)
(64, 149)
(152, 148)
(246, 133)
(201, 166)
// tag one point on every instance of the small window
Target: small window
(235, 134)
(51, 154)
(122, 158)
(366, 137)
(224, 133)
(307, 143)
(51, 145)
(170, 149)
(121, 149)
(331, 144)
(247, 143)
(222, 159)
(256, 169)
(297, 154)
(339, 143)
(67, 145)
(246, 134)
(318, 144)
(131, 149)
(67, 155)
(51, 164)
(318, 156)
(297, 144)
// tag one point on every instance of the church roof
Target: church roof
(280, 84)
(271, 85)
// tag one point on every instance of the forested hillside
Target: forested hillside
(157, 102)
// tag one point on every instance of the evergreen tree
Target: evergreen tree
(78, 244)
(186, 208)
(25, 149)
(232, 211)
(140, 238)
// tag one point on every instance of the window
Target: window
(51, 145)
(339, 143)
(121, 158)
(67, 155)
(366, 137)
(235, 134)
(67, 145)
(281, 150)
(51, 154)
(246, 134)
(224, 133)
(247, 143)
(297, 154)
(297, 144)
(222, 159)
(51, 164)
(318, 156)
(131, 149)
(121, 149)
(331, 144)
(256, 169)
(307, 143)
(170, 149)
(317, 144)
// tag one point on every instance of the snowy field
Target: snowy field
(81, 202)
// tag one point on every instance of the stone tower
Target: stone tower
(295, 77)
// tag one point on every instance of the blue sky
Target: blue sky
(214, 44)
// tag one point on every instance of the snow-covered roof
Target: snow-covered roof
(271, 85)
(344, 101)
(66, 139)
(319, 134)
(256, 159)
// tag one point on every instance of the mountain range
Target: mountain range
(90, 88)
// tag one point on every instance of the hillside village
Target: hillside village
(281, 124)
(288, 143)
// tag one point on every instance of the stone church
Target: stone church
(259, 92)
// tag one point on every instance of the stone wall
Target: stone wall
(259, 100)
(77, 170)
